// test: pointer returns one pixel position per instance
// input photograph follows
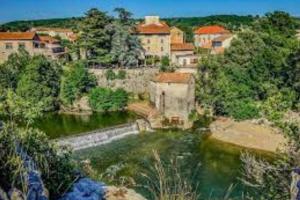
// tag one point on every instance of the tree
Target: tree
(94, 39)
(105, 99)
(55, 164)
(126, 49)
(40, 82)
(256, 67)
(279, 22)
(76, 81)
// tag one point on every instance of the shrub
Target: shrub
(76, 82)
(105, 99)
(110, 75)
(122, 74)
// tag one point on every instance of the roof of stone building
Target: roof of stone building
(173, 78)
(61, 30)
(211, 30)
(17, 35)
(222, 38)
(182, 47)
(155, 28)
(48, 39)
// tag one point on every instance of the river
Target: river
(209, 165)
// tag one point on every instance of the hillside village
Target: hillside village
(105, 98)
(158, 41)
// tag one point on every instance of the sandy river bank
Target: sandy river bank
(248, 134)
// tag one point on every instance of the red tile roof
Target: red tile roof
(173, 77)
(17, 35)
(158, 28)
(48, 39)
(61, 30)
(182, 47)
(211, 30)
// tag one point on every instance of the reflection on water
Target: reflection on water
(210, 165)
(60, 125)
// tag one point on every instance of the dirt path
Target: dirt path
(247, 134)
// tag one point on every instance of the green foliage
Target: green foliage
(122, 74)
(33, 80)
(76, 81)
(105, 99)
(165, 65)
(259, 64)
(40, 82)
(94, 38)
(279, 22)
(110, 75)
(56, 165)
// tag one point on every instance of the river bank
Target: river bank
(248, 134)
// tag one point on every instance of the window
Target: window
(148, 41)
(162, 48)
(22, 45)
(148, 48)
(8, 46)
(162, 41)
(36, 45)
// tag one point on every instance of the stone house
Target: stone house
(158, 39)
(173, 95)
(63, 33)
(154, 36)
(182, 54)
(221, 43)
(177, 35)
(10, 42)
(204, 36)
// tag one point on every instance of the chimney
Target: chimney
(152, 20)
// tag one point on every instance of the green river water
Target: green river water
(211, 166)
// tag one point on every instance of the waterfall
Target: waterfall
(99, 137)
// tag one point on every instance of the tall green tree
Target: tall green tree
(126, 49)
(94, 39)
(40, 82)
(75, 82)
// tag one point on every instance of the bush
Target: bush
(110, 75)
(122, 74)
(56, 165)
(243, 109)
(76, 82)
(105, 99)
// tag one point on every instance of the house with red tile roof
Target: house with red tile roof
(220, 43)
(173, 96)
(154, 36)
(63, 33)
(158, 39)
(10, 42)
(204, 36)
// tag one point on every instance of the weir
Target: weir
(99, 137)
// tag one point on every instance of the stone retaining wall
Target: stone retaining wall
(136, 81)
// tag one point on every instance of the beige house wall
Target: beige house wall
(4, 53)
(174, 54)
(156, 44)
(177, 36)
(204, 39)
(29, 47)
(179, 99)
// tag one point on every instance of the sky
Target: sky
(11, 10)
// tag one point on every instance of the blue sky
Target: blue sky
(38, 9)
